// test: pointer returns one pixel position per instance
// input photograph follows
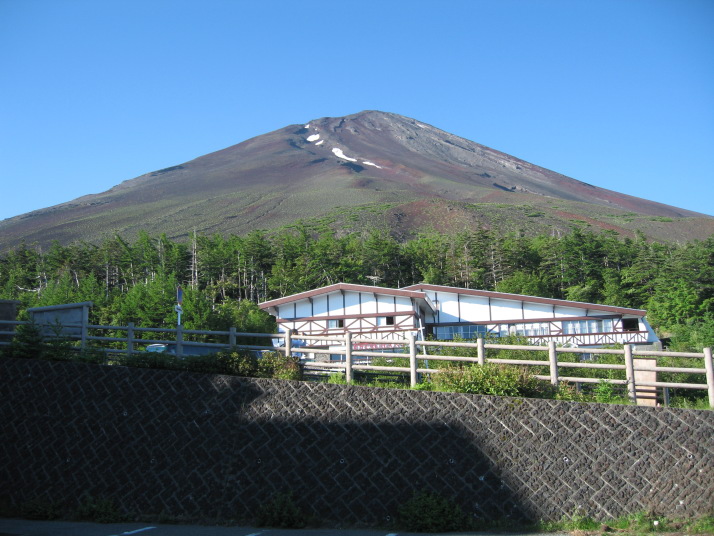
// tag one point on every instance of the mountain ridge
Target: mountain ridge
(328, 165)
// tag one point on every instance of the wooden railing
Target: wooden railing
(177, 340)
(344, 346)
(354, 358)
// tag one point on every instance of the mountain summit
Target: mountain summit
(383, 167)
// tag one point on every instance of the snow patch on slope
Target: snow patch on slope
(314, 137)
(339, 154)
(366, 163)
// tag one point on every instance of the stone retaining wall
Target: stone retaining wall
(216, 447)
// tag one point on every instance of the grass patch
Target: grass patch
(430, 512)
(639, 523)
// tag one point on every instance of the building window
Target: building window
(334, 324)
(630, 324)
(532, 329)
(579, 327)
(385, 320)
(468, 331)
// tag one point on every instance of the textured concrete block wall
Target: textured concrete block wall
(216, 447)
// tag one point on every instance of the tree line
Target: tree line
(224, 277)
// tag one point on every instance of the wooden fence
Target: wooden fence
(631, 364)
(352, 357)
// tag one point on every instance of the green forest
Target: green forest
(225, 277)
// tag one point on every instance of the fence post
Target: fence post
(644, 373)
(709, 365)
(130, 338)
(412, 359)
(179, 341)
(85, 323)
(232, 337)
(348, 357)
(481, 350)
(288, 343)
(630, 374)
(553, 358)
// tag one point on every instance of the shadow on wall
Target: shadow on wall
(362, 472)
(210, 447)
(218, 447)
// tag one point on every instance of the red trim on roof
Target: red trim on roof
(343, 286)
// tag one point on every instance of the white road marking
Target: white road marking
(134, 531)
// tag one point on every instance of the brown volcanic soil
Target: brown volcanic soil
(356, 163)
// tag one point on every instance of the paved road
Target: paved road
(22, 527)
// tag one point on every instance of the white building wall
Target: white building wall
(429, 318)
(537, 310)
(403, 304)
(352, 303)
(506, 309)
(448, 307)
(561, 311)
(369, 305)
(319, 306)
(474, 309)
(384, 304)
(303, 308)
(280, 311)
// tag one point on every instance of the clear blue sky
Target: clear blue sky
(616, 93)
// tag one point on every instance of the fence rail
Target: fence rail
(351, 359)
(632, 363)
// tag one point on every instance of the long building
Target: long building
(446, 313)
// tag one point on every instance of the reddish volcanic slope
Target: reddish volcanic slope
(370, 159)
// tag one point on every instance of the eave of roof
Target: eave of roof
(346, 287)
(521, 297)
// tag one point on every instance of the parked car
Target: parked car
(187, 349)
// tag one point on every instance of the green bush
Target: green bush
(94, 356)
(40, 510)
(338, 378)
(27, 342)
(579, 521)
(277, 365)
(281, 512)
(99, 510)
(487, 379)
(429, 512)
(235, 362)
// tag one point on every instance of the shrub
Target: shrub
(430, 512)
(92, 355)
(278, 366)
(604, 392)
(338, 378)
(41, 510)
(27, 342)
(99, 510)
(487, 379)
(281, 512)
(567, 392)
(233, 361)
(581, 521)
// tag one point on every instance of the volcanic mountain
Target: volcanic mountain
(370, 168)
